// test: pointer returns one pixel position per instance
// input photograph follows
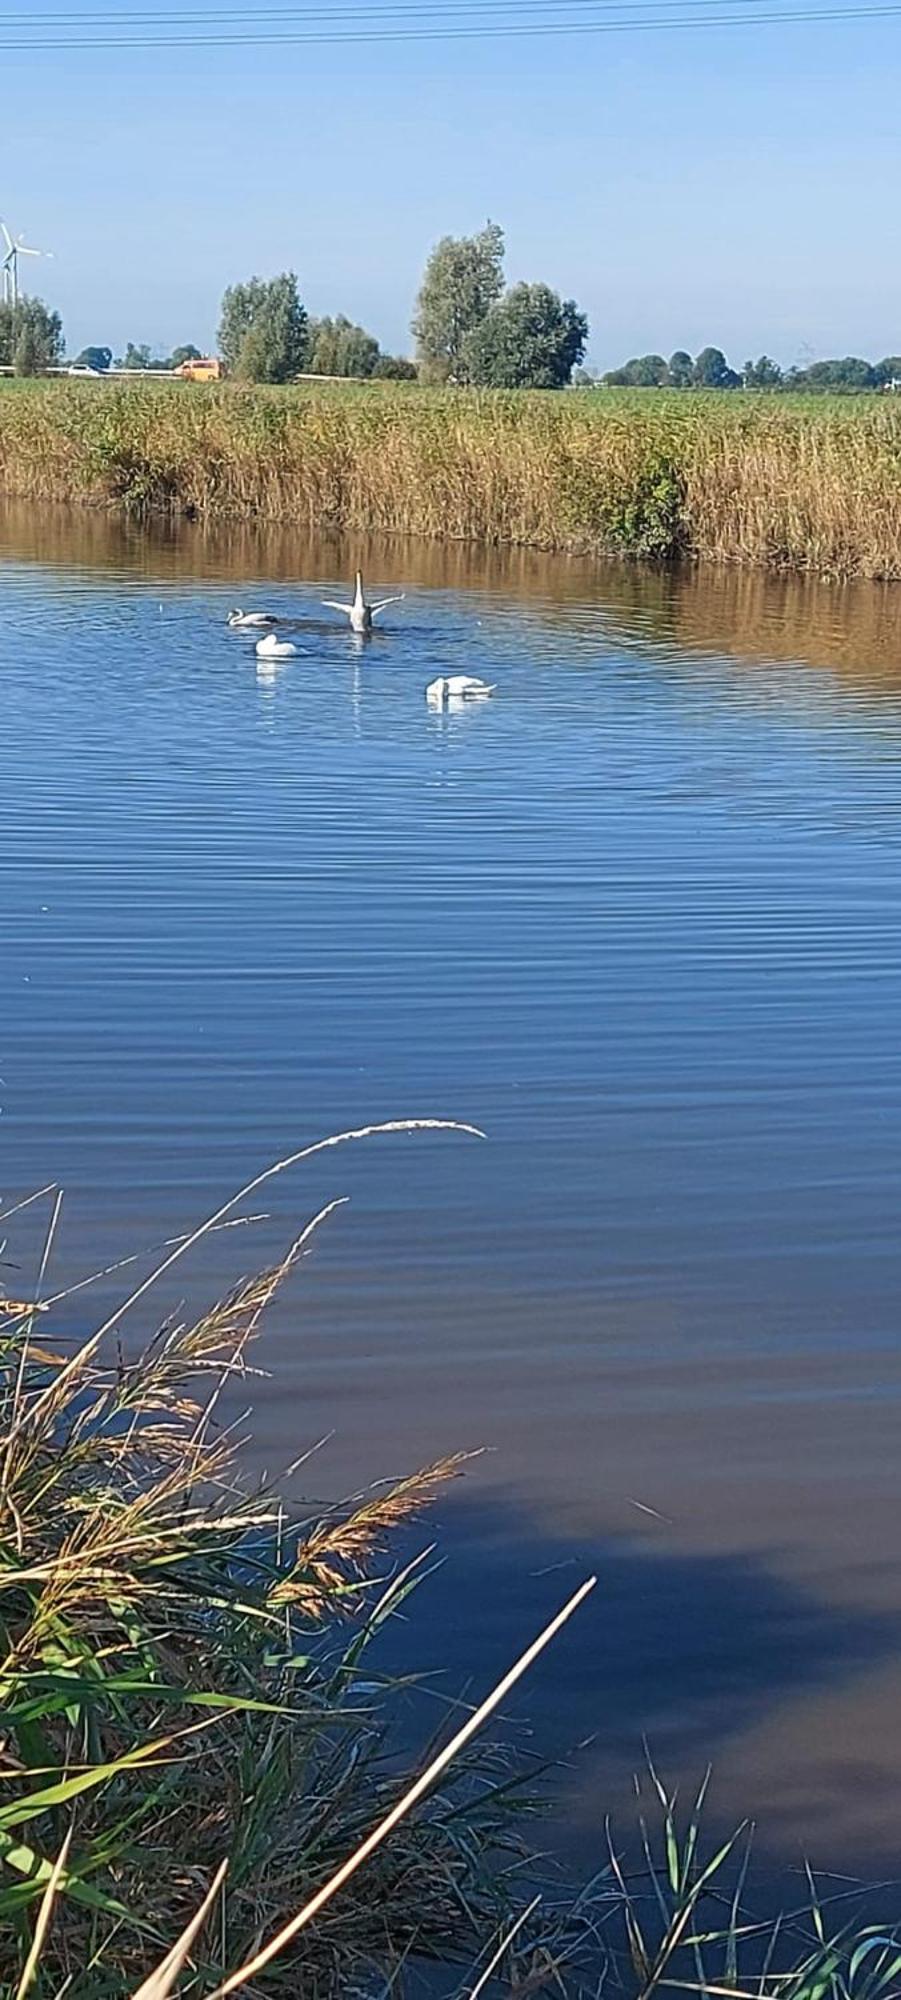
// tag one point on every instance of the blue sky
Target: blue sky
(736, 185)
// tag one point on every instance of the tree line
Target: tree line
(711, 370)
(267, 335)
(469, 329)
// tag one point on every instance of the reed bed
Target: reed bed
(794, 483)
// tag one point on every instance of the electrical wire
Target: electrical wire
(513, 30)
(377, 11)
(400, 21)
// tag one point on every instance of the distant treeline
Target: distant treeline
(320, 346)
(711, 370)
(469, 330)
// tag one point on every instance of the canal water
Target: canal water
(638, 918)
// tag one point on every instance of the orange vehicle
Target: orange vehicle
(208, 368)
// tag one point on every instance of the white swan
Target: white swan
(457, 687)
(245, 621)
(272, 648)
(359, 612)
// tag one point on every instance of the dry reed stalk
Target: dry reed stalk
(411, 1797)
(54, 1397)
(498, 1956)
(159, 1984)
(340, 1549)
(32, 1963)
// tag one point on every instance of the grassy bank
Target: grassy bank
(785, 482)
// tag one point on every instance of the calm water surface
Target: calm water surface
(640, 919)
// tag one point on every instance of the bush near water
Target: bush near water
(776, 481)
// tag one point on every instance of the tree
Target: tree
(337, 347)
(263, 335)
(98, 358)
(395, 368)
(645, 371)
(531, 339)
(241, 305)
(711, 371)
(463, 279)
(680, 370)
(26, 355)
(762, 374)
(887, 371)
(850, 373)
(187, 353)
(136, 357)
(650, 371)
(42, 345)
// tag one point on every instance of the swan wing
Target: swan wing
(330, 605)
(383, 606)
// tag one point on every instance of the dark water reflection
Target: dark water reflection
(641, 919)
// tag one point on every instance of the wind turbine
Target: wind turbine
(15, 247)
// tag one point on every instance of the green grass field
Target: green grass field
(789, 482)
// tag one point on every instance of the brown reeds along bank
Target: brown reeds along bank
(785, 482)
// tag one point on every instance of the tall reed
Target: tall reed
(185, 1680)
(782, 482)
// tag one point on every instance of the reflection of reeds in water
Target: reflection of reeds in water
(803, 484)
(851, 628)
(747, 614)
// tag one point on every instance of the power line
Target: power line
(394, 9)
(480, 31)
(390, 17)
(404, 16)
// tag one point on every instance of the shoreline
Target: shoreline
(790, 485)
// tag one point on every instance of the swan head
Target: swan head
(234, 617)
(358, 590)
